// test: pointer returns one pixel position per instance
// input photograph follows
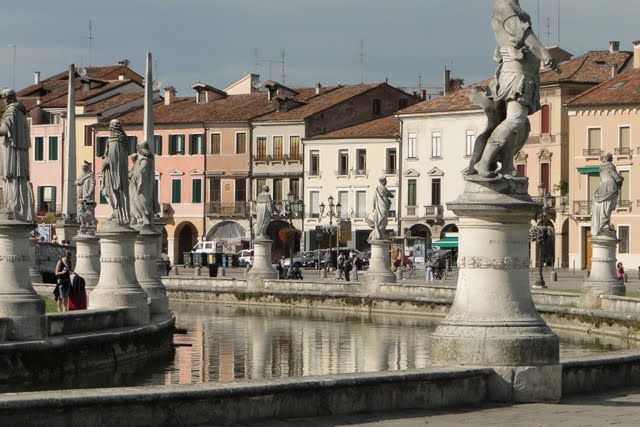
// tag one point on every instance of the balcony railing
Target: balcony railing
(625, 204)
(46, 208)
(592, 152)
(412, 211)
(433, 212)
(582, 207)
(218, 209)
(260, 158)
(624, 151)
(547, 201)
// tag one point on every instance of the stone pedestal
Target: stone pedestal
(88, 258)
(379, 265)
(493, 321)
(146, 252)
(18, 300)
(34, 273)
(118, 286)
(602, 280)
(262, 268)
(67, 229)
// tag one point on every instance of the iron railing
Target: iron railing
(582, 207)
(592, 152)
(233, 209)
(623, 151)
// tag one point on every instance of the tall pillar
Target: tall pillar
(146, 267)
(171, 249)
(18, 300)
(34, 273)
(88, 258)
(118, 285)
(602, 278)
(262, 267)
(493, 321)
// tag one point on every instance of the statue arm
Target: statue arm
(521, 34)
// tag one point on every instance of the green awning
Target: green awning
(589, 169)
(447, 242)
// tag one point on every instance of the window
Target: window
(157, 142)
(294, 147)
(277, 148)
(343, 199)
(46, 201)
(262, 148)
(241, 190)
(176, 144)
(314, 163)
(260, 183)
(625, 195)
(196, 190)
(314, 205)
(133, 144)
(88, 136)
(361, 204)
(402, 103)
(241, 143)
(176, 191)
(394, 204)
(624, 139)
(593, 181)
(623, 235)
(470, 143)
(412, 192)
(392, 157)
(545, 119)
(436, 145)
(436, 188)
(343, 162)
(215, 192)
(522, 169)
(201, 97)
(196, 143)
(277, 189)
(294, 187)
(101, 145)
(412, 151)
(39, 148)
(544, 177)
(595, 137)
(377, 106)
(361, 161)
(214, 144)
(53, 148)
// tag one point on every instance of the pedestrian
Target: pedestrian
(437, 266)
(63, 271)
(281, 274)
(347, 266)
(340, 266)
(620, 272)
(429, 270)
(355, 261)
(327, 261)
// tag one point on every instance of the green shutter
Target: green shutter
(53, 148)
(196, 191)
(158, 144)
(39, 148)
(176, 191)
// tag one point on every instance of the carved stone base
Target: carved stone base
(146, 252)
(379, 266)
(262, 268)
(118, 286)
(493, 321)
(602, 280)
(88, 259)
(67, 229)
(18, 300)
(34, 273)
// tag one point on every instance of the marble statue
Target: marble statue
(86, 186)
(606, 198)
(141, 183)
(265, 211)
(115, 182)
(514, 93)
(14, 159)
(381, 206)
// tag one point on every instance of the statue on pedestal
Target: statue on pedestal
(514, 93)
(606, 199)
(381, 207)
(115, 170)
(141, 183)
(14, 159)
(86, 184)
(265, 212)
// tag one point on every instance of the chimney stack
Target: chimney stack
(169, 95)
(447, 80)
(36, 77)
(614, 47)
(636, 54)
(318, 88)
(423, 94)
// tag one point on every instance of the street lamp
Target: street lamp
(540, 233)
(293, 209)
(334, 212)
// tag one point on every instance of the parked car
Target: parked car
(245, 257)
(302, 259)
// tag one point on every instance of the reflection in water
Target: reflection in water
(230, 343)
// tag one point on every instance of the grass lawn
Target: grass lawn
(52, 305)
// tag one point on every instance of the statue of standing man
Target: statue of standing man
(606, 199)
(115, 170)
(15, 142)
(141, 183)
(86, 184)
(381, 207)
(264, 213)
(514, 93)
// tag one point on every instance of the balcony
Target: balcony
(48, 209)
(434, 213)
(582, 208)
(624, 205)
(592, 153)
(624, 151)
(263, 158)
(412, 211)
(293, 158)
(227, 210)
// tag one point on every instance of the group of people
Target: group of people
(348, 263)
(70, 292)
(434, 269)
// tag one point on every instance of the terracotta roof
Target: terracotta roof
(624, 89)
(455, 101)
(385, 127)
(592, 67)
(113, 101)
(60, 100)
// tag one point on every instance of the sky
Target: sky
(215, 41)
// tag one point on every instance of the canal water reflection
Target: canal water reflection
(233, 343)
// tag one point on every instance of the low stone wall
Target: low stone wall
(413, 290)
(555, 298)
(82, 321)
(307, 286)
(620, 304)
(219, 404)
(600, 373)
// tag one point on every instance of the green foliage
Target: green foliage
(564, 187)
(51, 305)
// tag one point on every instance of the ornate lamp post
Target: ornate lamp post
(540, 233)
(293, 209)
(334, 212)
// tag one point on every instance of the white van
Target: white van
(206, 248)
(245, 257)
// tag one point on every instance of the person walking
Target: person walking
(620, 272)
(327, 261)
(355, 261)
(428, 266)
(63, 271)
(341, 266)
(347, 266)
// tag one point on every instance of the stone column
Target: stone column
(262, 268)
(118, 285)
(379, 266)
(602, 280)
(34, 273)
(493, 321)
(146, 252)
(18, 300)
(171, 249)
(88, 258)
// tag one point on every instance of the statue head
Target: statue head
(265, 188)
(86, 167)
(383, 180)
(115, 125)
(608, 157)
(8, 95)
(143, 149)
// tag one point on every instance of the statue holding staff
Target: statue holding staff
(115, 182)
(606, 198)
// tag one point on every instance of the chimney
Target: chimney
(614, 47)
(318, 88)
(169, 95)
(636, 54)
(86, 85)
(423, 94)
(614, 70)
(124, 62)
(36, 78)
(447, 80)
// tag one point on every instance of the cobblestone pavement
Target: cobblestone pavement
(619, 409)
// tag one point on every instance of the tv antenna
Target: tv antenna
(276, 61)
(361, 61)
(548, 33)
(91, 38)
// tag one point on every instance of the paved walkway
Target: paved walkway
(619, 409)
